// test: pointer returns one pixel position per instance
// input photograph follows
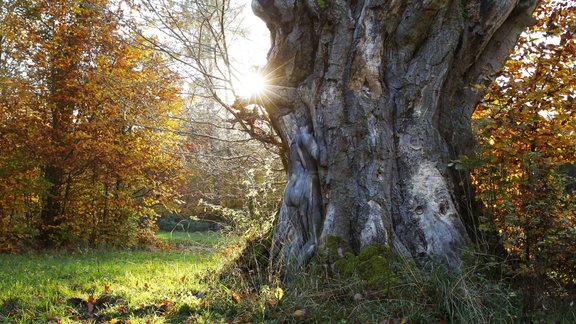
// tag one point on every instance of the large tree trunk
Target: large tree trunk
(373, 100)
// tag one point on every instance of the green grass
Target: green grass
(138, 286)
(183, 285)
(199, 239)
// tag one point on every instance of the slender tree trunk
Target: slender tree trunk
(53, 172)
(51, 207)
(61, 116)
(373, 100)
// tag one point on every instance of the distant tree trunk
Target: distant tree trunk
(51, 207)
(61, 116)
(373, 99)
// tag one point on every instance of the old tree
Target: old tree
(373, 100)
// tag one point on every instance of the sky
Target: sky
(247, 51)
(250, 51)
(253, 50)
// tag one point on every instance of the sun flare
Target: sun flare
(251, 84)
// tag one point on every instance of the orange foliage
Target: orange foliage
(527, 131)
(85, 152)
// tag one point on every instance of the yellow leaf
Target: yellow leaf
(279, 293)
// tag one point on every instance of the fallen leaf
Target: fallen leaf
(236, 297)
(166, 307)
(52, 317)
(278, 293)
(90, 307)
(299, 313)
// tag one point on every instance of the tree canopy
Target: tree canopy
(82, 108)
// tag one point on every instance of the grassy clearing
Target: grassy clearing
(138, 286)
(183, 286)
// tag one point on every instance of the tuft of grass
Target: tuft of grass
(375, 286)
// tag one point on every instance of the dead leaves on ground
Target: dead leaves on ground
(108, 307)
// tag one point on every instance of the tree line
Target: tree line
(98, 135)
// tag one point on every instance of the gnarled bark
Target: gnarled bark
(379, 100)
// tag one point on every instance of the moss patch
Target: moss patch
(375, 264)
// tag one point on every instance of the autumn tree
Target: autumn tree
(372, 101)
(525, 128)
(85, 120)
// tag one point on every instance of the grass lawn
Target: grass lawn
(111, 286)
(206, 239)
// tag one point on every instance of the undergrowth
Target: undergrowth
(375, 286)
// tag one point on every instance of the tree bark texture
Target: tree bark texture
(373, 99)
